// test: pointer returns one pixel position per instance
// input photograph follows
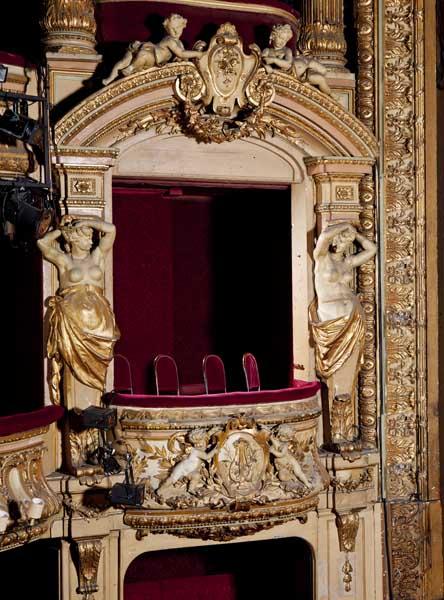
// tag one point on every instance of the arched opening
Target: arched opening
(224, 572)
(211, 266)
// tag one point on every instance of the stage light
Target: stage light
(3, 73)
(21, 127)
(26, 208)
(128, 493)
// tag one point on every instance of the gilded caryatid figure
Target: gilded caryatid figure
(144, 55)
(81, 327)
(69, 26)
(304, 68)
(337, 322)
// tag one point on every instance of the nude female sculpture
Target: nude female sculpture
(140, 56)
(337, 320)
(302, 67)
(82, 329)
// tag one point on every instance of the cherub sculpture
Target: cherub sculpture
(189, 468)
(144, 55)
(304, 68)
(287, 465)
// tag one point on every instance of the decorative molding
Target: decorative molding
(349, 485)
(138, 419)
(217, 525)
(22, 535)
(366, 285)
(139, 84)
(86, 186)
(23, 435)
(344, 192)
(408, 536)
(366, 79)
(13, 163)
(405, 244)
(405, 292)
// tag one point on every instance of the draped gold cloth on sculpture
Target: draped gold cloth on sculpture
(82, 334)
(336, 339)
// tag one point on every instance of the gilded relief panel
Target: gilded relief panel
(405, 294)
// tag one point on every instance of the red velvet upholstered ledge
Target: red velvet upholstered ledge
(307, 390)
(30, 420)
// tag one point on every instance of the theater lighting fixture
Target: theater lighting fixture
(21, 127)
(128, 493)
(25, 206)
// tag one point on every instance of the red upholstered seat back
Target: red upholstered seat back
(251, 371)
(167, 378)
(214, 374)
(125, 386)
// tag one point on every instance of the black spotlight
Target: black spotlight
(21, 127)
(3, 73)
(128, 493)
(25, 205)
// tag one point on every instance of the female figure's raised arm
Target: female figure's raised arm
(108, 231)
(368, 252)
(326, 238)
(49, 251)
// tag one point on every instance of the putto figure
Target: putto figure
(337, 320)
(144, 55)
(189, 468)
(303, 68)
(82, 329)
(287, 465)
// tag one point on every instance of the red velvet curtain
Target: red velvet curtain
(263, 570)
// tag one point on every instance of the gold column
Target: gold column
(69, 26)
(322, 31)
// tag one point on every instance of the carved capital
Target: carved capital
(70, 26)
(88, 551)
(322, 31)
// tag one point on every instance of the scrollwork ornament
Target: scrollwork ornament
(189, 87)
(349, 485)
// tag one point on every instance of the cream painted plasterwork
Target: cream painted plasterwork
(301, 101)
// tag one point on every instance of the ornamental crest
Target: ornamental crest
(242, 457)
(225, 79)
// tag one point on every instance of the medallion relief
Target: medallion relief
(242, 462)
